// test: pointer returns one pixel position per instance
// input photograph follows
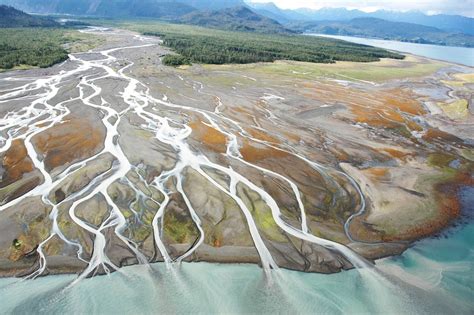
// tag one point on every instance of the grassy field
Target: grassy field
(80, 42)
(386, 69)
(375, 72)
(23, 48)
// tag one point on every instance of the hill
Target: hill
(448, 23)
(270, 10)
(121, 8)
(195, 12)
(142, 8)
(106, 8)
(235, 19)
(212, 4)
(378, 28)
(11, 17)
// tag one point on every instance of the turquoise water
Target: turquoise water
(461, 55)
(433, 277)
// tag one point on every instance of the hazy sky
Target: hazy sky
(463, 7)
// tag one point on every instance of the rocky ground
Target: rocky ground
(112, 159)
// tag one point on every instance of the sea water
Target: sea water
(433, 277)
(460, 55)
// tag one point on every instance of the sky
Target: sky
(461, 7)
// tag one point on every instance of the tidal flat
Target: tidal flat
(112, 159)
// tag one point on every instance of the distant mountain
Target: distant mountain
(108, 8)
(140, 8)
(330, 14)
(272, 11)
(11, 17)
(212, 4)
(222, 14)
(451, 23)
(378, 28)
(237, 19)
(122, 8)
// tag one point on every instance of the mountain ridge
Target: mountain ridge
(451, 23)
(157, 8)
(238, 18)
(11, 17)
(383, 29)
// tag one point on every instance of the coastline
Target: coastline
(389, 44)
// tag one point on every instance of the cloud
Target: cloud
(461, 7)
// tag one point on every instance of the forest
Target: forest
(37, 47)
(175, 60)
(40, 47)
(203, 45)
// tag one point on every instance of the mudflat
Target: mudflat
(112, 159)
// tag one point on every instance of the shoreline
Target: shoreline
(379, 38)
(77, 268)
(341, 37)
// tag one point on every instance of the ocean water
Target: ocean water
(460, 55)
(433, 277)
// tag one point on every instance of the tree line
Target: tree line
(219, 47)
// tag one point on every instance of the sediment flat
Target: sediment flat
(112, 159)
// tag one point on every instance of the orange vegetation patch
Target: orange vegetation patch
(397, 154)
(403, 102)
(209, 136)
(309, 85)
(379, 173)
(252, 152)
(217, 243)
(15, 163)
(388, 111)
(340, 154)
(260, 135)
(72, 140)
(447, 196)
(247, 112)
(386, 108)
(434, 133)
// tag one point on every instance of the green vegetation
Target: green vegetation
(387, 69)
(459, 109)
(79, 42)
(17, 243)
(203, 45)
(23, 48)
(33, 47)
(180, 229)
(30, 41)
(440, 159)
(175, 60)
